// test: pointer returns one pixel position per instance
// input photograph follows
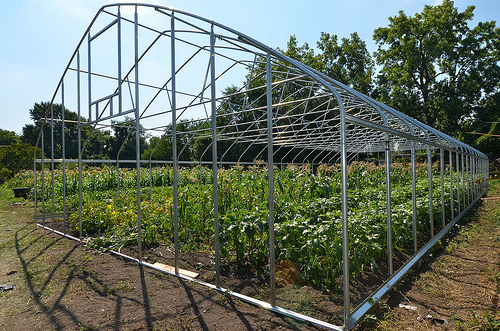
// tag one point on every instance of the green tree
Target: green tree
(98, 143)
(191, 142)
(122, 143)
(40, 114)
(482, 129)
(15, 157)
(435, 67)
(304, 53)
(349, 62)
(8, 137)
(9, 149)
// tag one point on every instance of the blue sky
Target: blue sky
(38, 37)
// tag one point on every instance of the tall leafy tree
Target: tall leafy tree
(348, 62)
(160, 148)
(15, 157)
(435, 67)
(8, 137)
(122, 144)
(482, 129)
(98, 141)
(39, 114)
(97, 146)
(304, 53)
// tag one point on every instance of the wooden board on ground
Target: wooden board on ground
(170, 268)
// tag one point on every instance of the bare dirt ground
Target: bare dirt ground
(61, 285)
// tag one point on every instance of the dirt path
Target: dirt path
(456, 289)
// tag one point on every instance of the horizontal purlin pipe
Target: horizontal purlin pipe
(378, 127)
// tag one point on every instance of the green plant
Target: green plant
(307, 218)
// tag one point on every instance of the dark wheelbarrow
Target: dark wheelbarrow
(21, 192)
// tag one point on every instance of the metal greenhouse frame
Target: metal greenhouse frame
(177, 74)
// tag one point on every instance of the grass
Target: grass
(44, 269)
(124, 286)
(433, 284)
(9, 216)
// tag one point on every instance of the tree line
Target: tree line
(432, 66)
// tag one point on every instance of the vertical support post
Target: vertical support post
(43, 177)
(473, 178)
(118, 174)
(484, 172)
(441, 164)
(34, 188)
(483, 177)
(475, 160)
(52, 163)
(388, 203)
(431, 202)
(345, 211)
(478, 176)
(477, 163)
(458, 182)
(80, 180)
(466, 178)
(119, 28)
(463, 180)
(414, 195)
(467, 158)
(89, 74)
(479, 173)
(175, 164)
(137, 136)
(486, 175)
(214, 156)
(150, 179)
(63, 129)
(270, 166)
(452, 208)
